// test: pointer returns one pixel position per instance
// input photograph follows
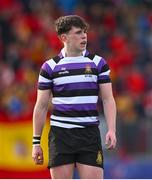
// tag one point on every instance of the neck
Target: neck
(70, 53)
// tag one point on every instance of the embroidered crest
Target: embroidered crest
(88, 71)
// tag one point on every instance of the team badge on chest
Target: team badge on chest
(88, 71)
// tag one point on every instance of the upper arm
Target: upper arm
(106, 91)
(43, 98)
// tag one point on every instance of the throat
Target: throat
(73, 54)
(69, 53)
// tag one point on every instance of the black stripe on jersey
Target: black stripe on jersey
(57, 59)
(73, 72)
(105, 68)
(78, 92)
(78, 123)
(90, 56)
(101, 81)
(44, 74)
(44, 87)
(75, 113)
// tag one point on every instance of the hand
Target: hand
(110, 140)
(37, 154)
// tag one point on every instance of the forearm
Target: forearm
(39, 117)
(110, 113)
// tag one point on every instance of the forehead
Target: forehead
(75, 29)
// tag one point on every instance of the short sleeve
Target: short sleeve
(45, 77)
(104, 72)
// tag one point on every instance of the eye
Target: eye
(85, 31)
(79, 32)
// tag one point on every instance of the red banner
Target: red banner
(16, 149)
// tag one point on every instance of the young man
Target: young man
(73, 80)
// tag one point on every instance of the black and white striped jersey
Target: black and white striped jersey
(74, 82)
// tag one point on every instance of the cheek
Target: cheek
(74, 41)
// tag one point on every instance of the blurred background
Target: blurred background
(121, 32)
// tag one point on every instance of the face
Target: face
(75, 40)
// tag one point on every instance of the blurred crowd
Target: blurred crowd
(120, 31)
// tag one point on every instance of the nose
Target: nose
(84, 35)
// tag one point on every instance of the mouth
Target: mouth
(83, 42)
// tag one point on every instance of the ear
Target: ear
(63, 37)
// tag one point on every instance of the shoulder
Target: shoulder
(51, 63)
(96, 59)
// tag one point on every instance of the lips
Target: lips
(84, 42)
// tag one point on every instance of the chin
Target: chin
(83, 48)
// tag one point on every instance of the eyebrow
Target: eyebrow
(79, 31)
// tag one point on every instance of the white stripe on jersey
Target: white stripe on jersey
(74, 100)
(43, 79)
(74, 79)
(96, 60)
(70, 60)
(105, 73)
(64, 125)
(75, 119)
(51, 63)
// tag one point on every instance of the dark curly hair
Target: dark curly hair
(64, 23)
